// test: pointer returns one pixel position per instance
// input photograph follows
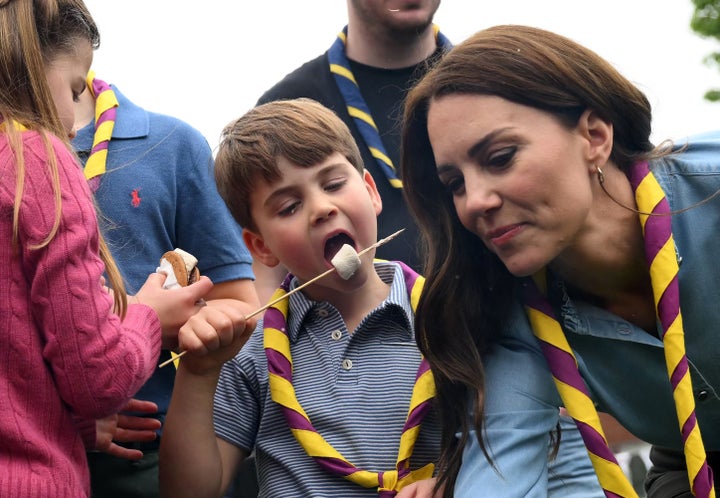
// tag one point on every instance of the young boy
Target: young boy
(340, 354)
(303, 194)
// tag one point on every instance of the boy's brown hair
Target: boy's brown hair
(302, 131)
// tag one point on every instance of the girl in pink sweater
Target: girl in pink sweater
(66, 358)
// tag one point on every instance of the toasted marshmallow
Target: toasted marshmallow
(346, 261)
(189, 260)
(181, 265)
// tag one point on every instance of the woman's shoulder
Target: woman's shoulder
(695, 154)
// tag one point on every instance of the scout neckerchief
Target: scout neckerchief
(356, 106)
(662, 260)
(15, 125)
(106, 104)
(280, 366)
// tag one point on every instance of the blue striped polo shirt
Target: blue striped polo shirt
(355, 388)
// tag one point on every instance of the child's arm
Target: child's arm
(241, 289)
(193, 461)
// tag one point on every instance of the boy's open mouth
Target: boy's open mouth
(333, 245)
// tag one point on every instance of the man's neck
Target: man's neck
(388, 52)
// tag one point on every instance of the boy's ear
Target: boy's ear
(599, 136)
(260, 252)
(373, 191)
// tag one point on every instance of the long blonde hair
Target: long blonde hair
(32, 33)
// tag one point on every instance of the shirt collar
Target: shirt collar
(390, 273)
(580, 318)
(131, 121)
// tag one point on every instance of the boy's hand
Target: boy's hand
(215, 334)
(173, 306)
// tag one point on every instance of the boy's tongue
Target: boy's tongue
(333, 245)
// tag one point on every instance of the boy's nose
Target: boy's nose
(323, 210)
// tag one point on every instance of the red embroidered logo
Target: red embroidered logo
(135, 194)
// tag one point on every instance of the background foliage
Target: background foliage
(706, 22)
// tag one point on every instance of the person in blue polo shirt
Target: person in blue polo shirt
(155, 192)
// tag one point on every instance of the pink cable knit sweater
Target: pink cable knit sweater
(63, 354)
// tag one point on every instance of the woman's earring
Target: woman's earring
(601, 176)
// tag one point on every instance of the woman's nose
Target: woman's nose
(481, 197)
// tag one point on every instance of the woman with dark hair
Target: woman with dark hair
(569, 263)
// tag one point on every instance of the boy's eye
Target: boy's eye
(289, 209)
(334, 185)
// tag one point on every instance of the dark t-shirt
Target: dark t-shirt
(384, 92)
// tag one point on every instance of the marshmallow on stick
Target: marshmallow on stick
(349, 261)
(346, 261)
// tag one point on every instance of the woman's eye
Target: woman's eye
(502, 157)
(453, 184)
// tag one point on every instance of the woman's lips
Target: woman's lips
(503, 235)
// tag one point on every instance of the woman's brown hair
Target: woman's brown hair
(468, 291)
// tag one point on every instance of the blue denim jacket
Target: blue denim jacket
(623, 365)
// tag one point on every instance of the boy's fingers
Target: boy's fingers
(189, 341)
(214, 330)
(199, 336)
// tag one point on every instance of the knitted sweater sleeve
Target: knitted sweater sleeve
(98, 361)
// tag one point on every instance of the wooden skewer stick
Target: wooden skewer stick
(299, 288)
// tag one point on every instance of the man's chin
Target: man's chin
(408, 24)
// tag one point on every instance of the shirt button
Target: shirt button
(702, 395)
(336, 334)
(347, 364)
(322, 313)
(624, 329)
